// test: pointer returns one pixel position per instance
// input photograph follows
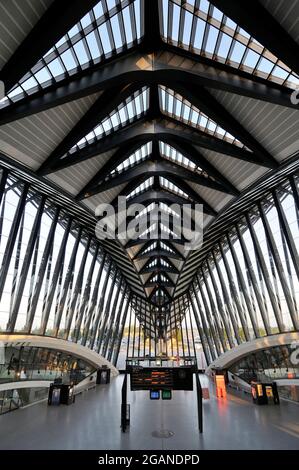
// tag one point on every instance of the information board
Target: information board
(170, 378)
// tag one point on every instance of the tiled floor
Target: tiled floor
(93, 422)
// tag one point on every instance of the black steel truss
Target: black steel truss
(150, 64)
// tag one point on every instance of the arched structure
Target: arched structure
(162, 102)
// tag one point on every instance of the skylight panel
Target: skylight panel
(105, 30)
(153, 263)
(204, 29)
(173, 155)
(142, 187)
(165, 264)
(166, 247)
(168, 210)
(137, 157)
(151, 229)
(152, 247)
(118, 118)
(172, 187)
(192, 116)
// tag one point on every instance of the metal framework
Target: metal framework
(155, 75)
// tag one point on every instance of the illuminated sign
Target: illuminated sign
(166, 395)
(260, 392)
(162, 378)
(155, 394)
(220, 386)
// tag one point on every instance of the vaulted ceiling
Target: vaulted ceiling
(160, 101)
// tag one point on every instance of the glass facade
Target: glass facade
(25, 363)
(13, 399)
(55, 278)
(163, 144)
(247, 285)
(267, 365)
(57, 281)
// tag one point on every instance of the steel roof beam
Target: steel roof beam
(134, 67)
(257, 21)
(142, 131)
(159, 168)
(57, 20)
(109, 100)
(203, 100)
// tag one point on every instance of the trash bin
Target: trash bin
(103, 375)
(61, 394)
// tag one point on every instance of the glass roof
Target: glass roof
(166, 247)
(164, 263)
(159, 296)
(141, 188)
(200, 27)
(174, 105)
(154, 263)
(137, 157)
(110, 27)
(130, 110)
(153, 246)
(173, 155)
(166, 184)
(159, 277)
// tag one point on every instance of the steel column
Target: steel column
(263, 266)
(12, 237)
(112, 317)
(252, 275)
(106, 314)
(77, 290)
(213, 328)
(279, 267)
(100, 306)
(200, 328)
(215, 312)
(25, 266)
(203, 322)
(86, 294)
(56, 273)
(287, 232)
(67, 281)
(117, 323)
(220, 306)
(93, 301)
(235, 294)
(244, 287)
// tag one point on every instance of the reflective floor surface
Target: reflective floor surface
(93, 422)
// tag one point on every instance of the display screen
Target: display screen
(166, 395)
(155, 394)
(170, 378)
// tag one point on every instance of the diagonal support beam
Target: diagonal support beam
(258, 22)
(109, 100)
(120, 155)
(204, 101)
(159, 253)
(169, 198)
(151, 283)
(133, 66)
(142, 131)
(198, 159)
(158, 168)
(159, 267)
(56, 21)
